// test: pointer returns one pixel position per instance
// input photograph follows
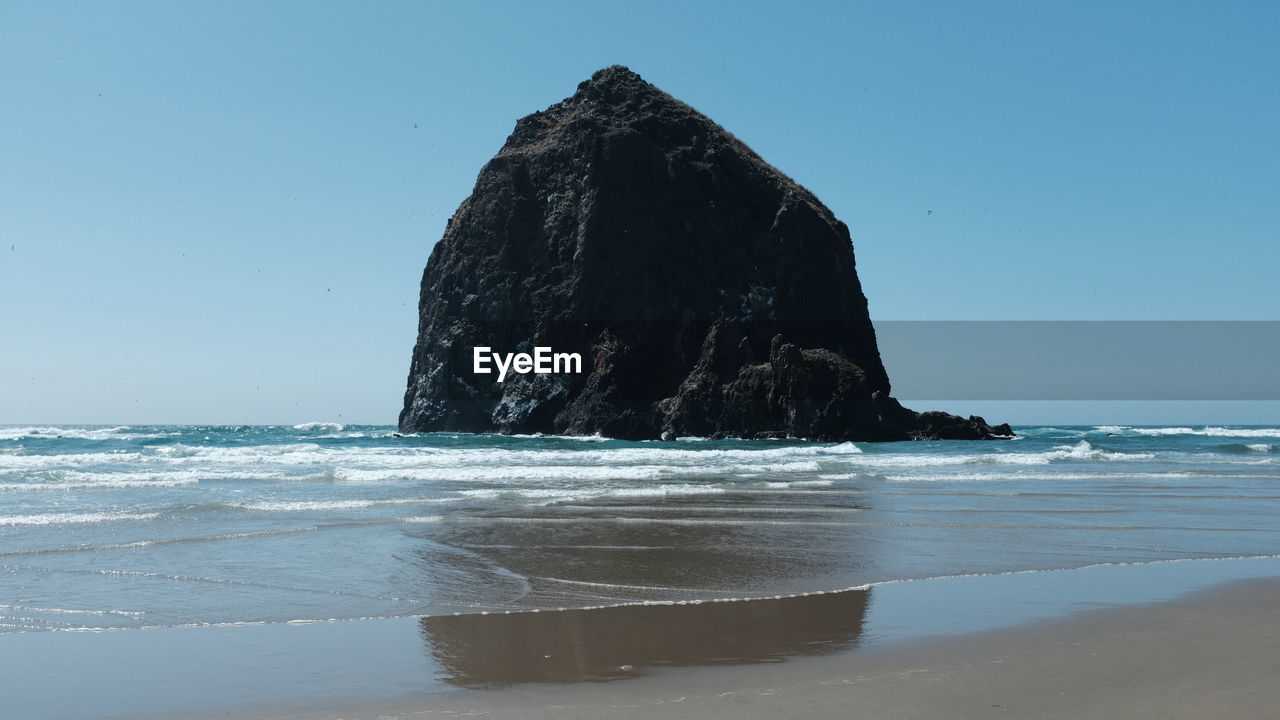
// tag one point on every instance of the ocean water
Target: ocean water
(119, 528)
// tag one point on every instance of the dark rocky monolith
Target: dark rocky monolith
(707, 293)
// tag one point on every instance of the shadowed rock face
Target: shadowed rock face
(707, 293)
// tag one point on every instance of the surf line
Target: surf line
(543, 361)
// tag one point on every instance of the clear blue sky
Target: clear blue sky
(220, 211)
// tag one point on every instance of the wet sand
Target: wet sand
(1213, 653)
(1181, 639)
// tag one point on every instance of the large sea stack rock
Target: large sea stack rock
(707, 293)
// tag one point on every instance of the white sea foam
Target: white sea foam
(822, 482)
(19, 433)
(314, 426)
(121, 432)
(1085, 451)
(493, 474)
(177, 450)
(540, 436)
(102, 481)
(1082, 450)
(310, 453)
(72, 518)
(36, 462)
(537, 473)
(291, 453)
(349, 434)
(1208, 431)
(564, 494)
(71, 611)
(312, 462)
(313, 505)
(1024, 476)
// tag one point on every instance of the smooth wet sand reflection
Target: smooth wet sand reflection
(619, 642)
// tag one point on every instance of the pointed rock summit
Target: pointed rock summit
(705, 293)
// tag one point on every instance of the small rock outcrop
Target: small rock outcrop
(705, 292)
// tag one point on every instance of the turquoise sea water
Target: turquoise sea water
(153, 527)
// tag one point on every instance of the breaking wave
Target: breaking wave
(319, 427)
(56, 433)
(1207, 431)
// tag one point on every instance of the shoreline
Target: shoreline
(915, 648)
(1209, 653)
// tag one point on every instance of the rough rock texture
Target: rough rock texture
(707, 293)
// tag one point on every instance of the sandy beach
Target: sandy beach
(1209, 654)
(1212, 654)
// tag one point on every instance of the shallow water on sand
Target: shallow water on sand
(161, 526)
(405, 667)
